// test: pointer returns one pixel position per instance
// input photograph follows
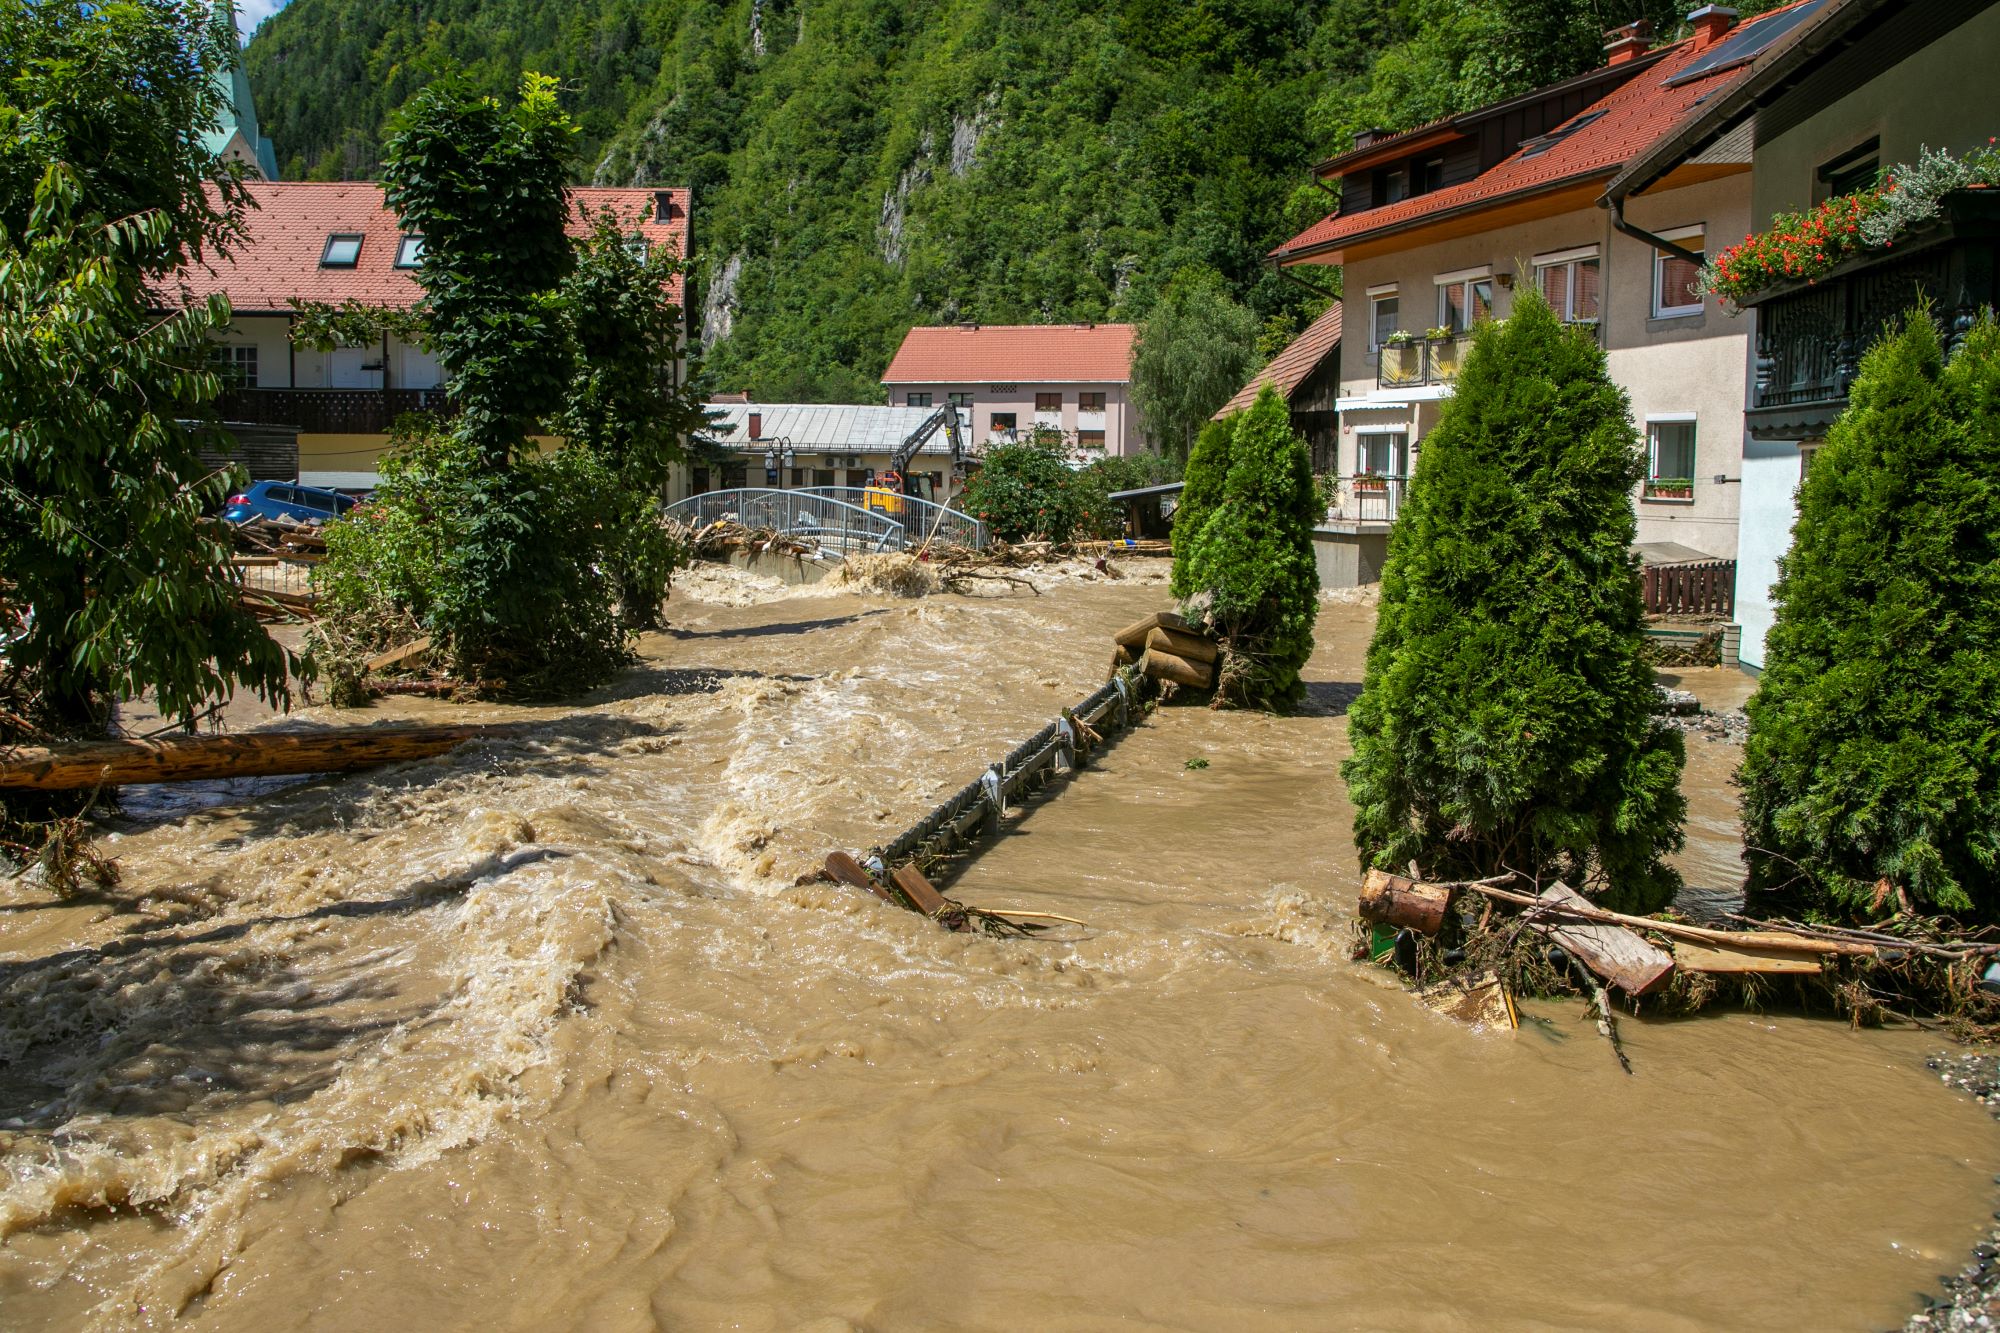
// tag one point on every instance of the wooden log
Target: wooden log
(1620, 956)
(926, 899)
(1735, 960)
(246, 754)
(1391, 900)
(1676, 930)
(1166, 666)
(397, 656)
(846, 870)
(1191, 646)
(1134, 636)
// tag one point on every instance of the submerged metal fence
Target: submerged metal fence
(836, 525)
(920, 518)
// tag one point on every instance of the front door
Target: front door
(355, 368)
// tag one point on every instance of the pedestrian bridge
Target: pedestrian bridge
(843, 520)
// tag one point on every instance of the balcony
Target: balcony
(330, 411)
(1811, 336)
(1421, 361)
(1363, 498)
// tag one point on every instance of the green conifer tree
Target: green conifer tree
(1871, 754)
(1252, 574)
(1201, 491)
(1505, 718)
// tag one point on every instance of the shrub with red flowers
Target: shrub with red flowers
(1802, 247)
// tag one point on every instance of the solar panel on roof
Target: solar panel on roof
(1751, 41)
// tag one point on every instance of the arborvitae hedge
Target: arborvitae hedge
(1201, 491)
(1505, 721)
(1251, 572)
(1874, 748)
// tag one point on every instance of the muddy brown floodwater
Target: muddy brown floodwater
(541, 1035)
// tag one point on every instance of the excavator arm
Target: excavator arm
(944, 419)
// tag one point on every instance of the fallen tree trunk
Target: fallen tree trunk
(1166, 666)
(1584, 910)
(1134, 636)
(1391, 900)
(248, 754)
(1191, 646)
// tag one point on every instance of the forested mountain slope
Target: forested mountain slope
(862, 165)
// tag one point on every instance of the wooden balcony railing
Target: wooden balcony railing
(330, 411)
(1698, 588)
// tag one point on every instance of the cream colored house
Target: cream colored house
(1442, 226)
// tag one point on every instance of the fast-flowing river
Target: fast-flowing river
(542, 1035)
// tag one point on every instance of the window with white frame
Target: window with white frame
(1569, 282)
(1384, 316)
(1670, 458)
(236, 365)
(1675, 276)
(1380, 453)
(1464, 299)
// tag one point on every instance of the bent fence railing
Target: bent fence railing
(836, 525)
(920, 518)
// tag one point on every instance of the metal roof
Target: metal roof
(847, 428)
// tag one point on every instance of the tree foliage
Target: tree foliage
(862, 165)
(627, 400)
(1194, 351)
(1505, 718)
(105, 187)
(1028, 490)
(1251, 572)
(1871, 753)
(1201, 491)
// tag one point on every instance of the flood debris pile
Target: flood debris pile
(1168, 650)
(1503, 936)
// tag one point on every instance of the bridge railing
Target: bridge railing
(919, 518)
(833, 523)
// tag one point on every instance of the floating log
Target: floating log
(1191, 646)
(1734, 959)
(1620, 956)
(244, 755)
(398, 656)
(1167, 666)
(1391, 900)
(1134, 636)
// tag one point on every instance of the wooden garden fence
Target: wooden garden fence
(1698, 588)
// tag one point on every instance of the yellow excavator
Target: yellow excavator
(887, 493)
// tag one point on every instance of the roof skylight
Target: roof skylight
(343, 250)
(410, 252)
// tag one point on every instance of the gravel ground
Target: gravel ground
(1971, 1296)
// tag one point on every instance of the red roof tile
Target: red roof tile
(289, 221)
(1013, 353)
(1593, 143)
(1288, 368)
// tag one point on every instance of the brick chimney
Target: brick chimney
(1710, 23)
(756, 425)
(1629, 42)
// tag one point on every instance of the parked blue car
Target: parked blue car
(284, 499)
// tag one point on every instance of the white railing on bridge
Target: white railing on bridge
(922, 519)
(837, 527)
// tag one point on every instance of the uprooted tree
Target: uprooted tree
(1505, 719)
(111, 581)
(1871, 779)
(1252, 580)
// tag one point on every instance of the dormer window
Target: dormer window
(343, 250)
(410, 252)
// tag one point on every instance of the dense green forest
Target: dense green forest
(863, 165)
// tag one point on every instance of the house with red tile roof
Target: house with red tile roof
(1439, 228)
(1009, 380)
(337, 242)
(1306, 375)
